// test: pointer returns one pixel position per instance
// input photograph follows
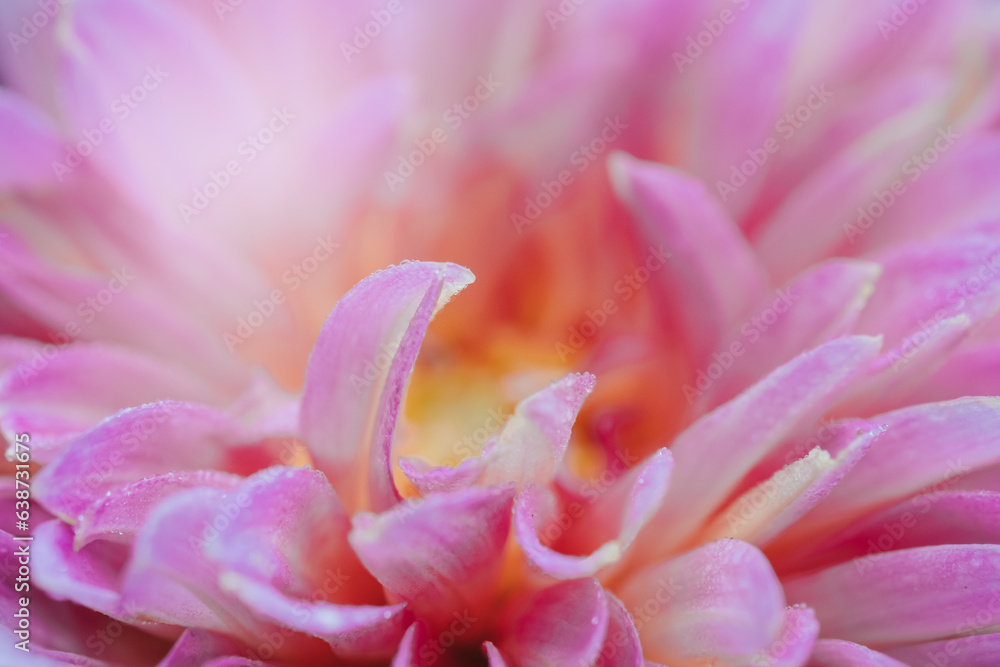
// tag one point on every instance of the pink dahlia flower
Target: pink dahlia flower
(722, 393)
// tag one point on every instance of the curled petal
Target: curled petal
(720, 600)
(435, 565)
(563, 624)
(349, 404)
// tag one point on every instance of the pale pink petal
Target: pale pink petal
(821, 304)
(721, 600)
(711, 272)
(838, 653)
(748, 428)
(532, 442)
(438, 566)
(72, 390)
(915, 595)
(563, 624)
(761, 514)
(493, 654)
(601, 523)
(430, 479)
(153, 166)
(349, 404)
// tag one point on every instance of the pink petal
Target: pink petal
(746, 68)
(120, 513)
(493, 654)
(197, 646)
(533, 440)
(929, 283)
(948, 517)
(30, 144)
(838, 653)
(922, 446)
(360, 632)
(712, 273)
(976, 650)
(747, 428)
(971, 371)
(434, 566)
(147, 163)
(621, 643)
(820, 304)
(601, 523)
(562, 625)
(915, 595)
(71, 389)
(377, 325)
(88, 577)
(270, 553)
(406, 655)
(139, 442)
(720, 601)
(761, 514)
(794, 643)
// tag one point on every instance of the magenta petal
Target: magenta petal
(348, 395)
(838, 653)
(438, 566)
(948, 517)
(922, 446)
(914, 595)
(602, 526)
(745, 430)
(120, 513)
(976, 650)
(721, 600)
(136, 443)
(621, 642)
(564, 624)
(713, 274)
